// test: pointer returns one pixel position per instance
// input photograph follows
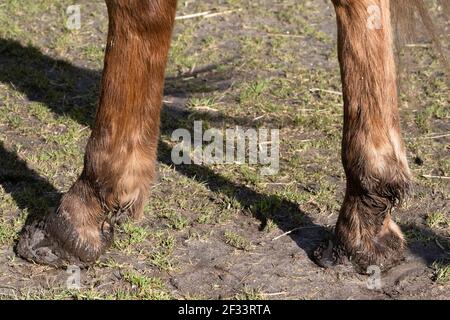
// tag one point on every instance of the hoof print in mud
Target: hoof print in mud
(35, 245)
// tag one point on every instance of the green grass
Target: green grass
(250, 294)
(160, 257)
(134, 235)
(144, 287)
(441, 272)
(438, 219)
(237, 241)
(175, 219)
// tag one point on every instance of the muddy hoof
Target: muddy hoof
(35, 245)
(56, 243)
(328, 255)
(387, 253)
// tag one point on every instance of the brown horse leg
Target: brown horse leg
(373, 153)
(120, 155)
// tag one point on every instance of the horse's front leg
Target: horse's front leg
(120, 156)
(373, 153)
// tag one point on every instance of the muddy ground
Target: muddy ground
(215, 231)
